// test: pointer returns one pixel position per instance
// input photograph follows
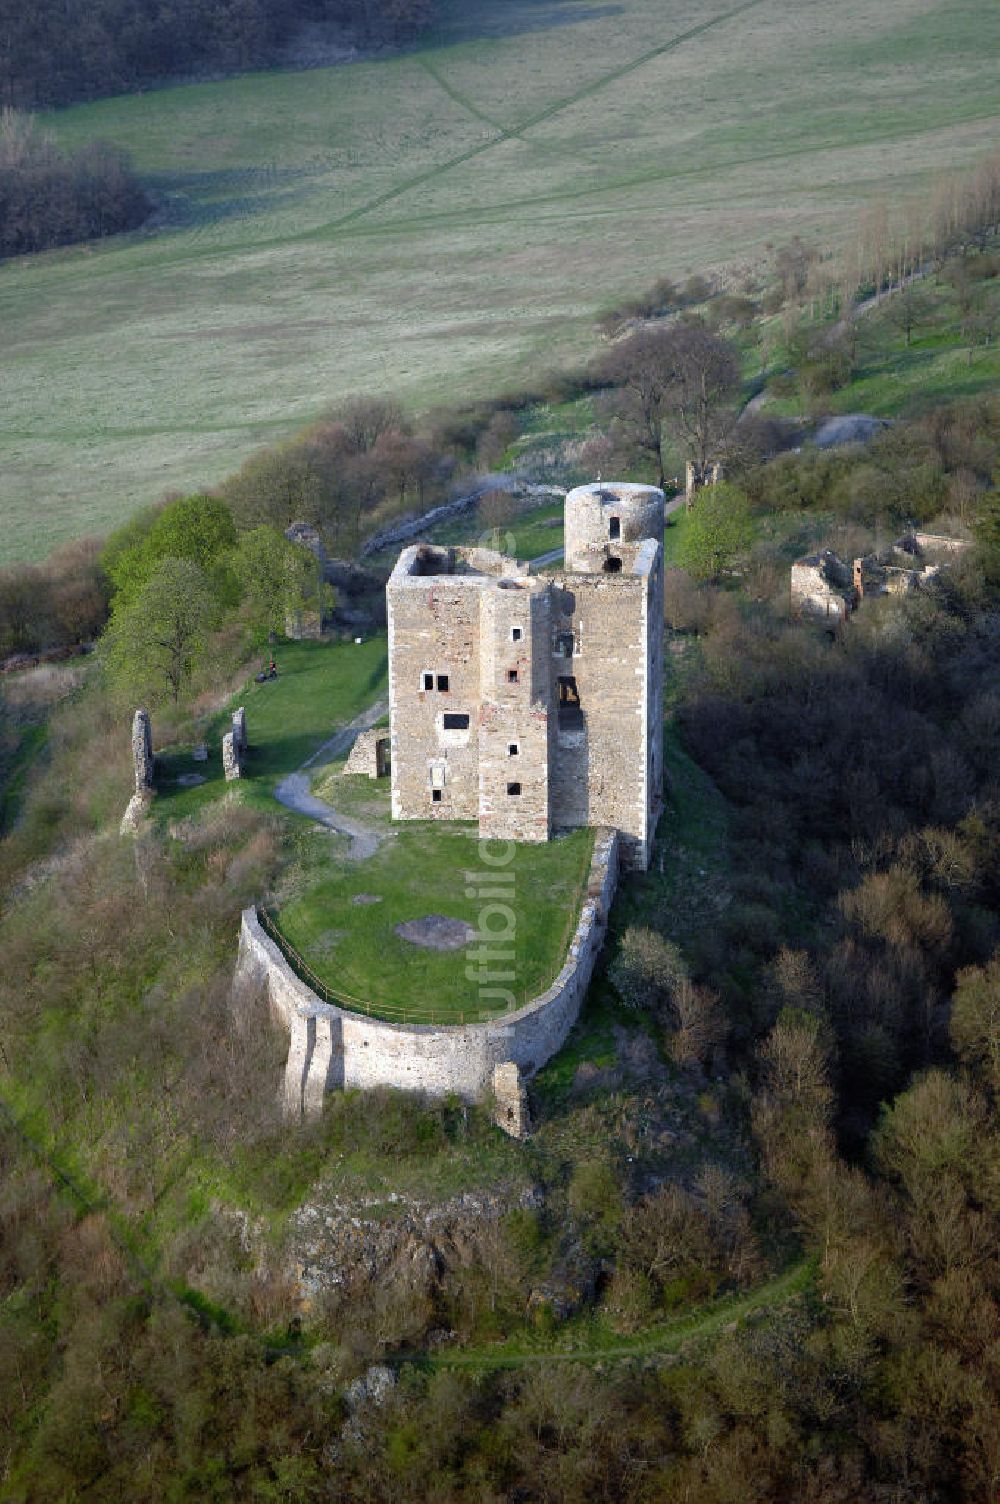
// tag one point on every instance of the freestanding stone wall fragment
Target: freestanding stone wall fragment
(510, 1100)
(370, 753)
(231, 764)
(142, 750)
(240, 732)
(142, 770)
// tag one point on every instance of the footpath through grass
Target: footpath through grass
(590, 1339)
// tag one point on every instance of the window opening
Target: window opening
(428, 681)
(512, 676)
(516, 634)
(443, 683)
(565, 644)
(612, 564)
(513, 789)
(512, 749)
(615, 527)
(570, 712)
(455, 722)
(437, 775)
(435, 796)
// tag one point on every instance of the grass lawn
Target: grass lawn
(445, 223)
(320, 687)
(895, 379)
(421, 869)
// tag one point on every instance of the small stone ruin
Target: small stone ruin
(510, 1096)
(234, 746)
(143, 766)
(695, 477)
(825, 589)
(370, 754)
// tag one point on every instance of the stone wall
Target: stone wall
(370, 753)
(820, 588)
(330, 1047)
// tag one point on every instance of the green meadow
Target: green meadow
(444, 223)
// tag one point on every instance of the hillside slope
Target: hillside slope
(440, 223)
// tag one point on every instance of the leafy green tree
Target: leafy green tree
(197, 528)
(987, 531)
(276, 578)
(718, 531)
(156, 638)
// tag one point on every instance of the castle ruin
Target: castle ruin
(534, 702)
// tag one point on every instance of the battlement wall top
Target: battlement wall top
(477, 567)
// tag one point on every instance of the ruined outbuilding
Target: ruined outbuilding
(534, 702)
(824, 589)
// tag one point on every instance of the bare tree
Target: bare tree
(679, 382)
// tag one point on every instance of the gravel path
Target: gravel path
(294, 792)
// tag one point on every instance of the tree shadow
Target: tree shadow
(515, 17)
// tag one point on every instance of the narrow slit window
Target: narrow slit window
(512, 676)
(427, 681)
(615, 527)
(443, 683)
(513, 789)
(455, 722)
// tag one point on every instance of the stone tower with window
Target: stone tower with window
(534, 702)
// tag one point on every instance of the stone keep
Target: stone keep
(534, 702)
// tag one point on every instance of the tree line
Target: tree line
(54, 53)
(50, 197)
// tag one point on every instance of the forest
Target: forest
(52, 54)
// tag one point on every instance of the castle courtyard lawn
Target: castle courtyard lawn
(325, 911)
(321, 686)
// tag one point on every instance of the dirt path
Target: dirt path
(295, 794)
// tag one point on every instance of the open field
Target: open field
(443, 223)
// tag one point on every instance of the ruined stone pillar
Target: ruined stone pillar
(142, 772)
(142, 750)
(240, 731)
(230, 757)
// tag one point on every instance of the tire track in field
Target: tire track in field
(613, 76)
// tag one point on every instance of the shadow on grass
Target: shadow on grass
(467, 23)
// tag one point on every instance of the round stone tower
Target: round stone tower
(600, 517)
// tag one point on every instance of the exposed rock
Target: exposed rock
(360, 899)
(435, 932)
(406, 1242)
(849, 428)
(190, 780)
(372, 1388)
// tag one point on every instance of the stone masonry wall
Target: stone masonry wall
(434, 629)
(599, 774)
(330, 1047)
